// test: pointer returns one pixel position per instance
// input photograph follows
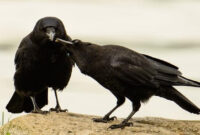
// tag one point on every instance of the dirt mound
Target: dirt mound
(76, 124)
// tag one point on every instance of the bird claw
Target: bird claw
(121, 125)
(39, 112)
(113, 118)
(58, 109)
(104, 119)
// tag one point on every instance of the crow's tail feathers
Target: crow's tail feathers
(172, 94)
(18, 104)
(15, 104)
(187, 82)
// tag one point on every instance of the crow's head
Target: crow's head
(48, 29)
(80, 52)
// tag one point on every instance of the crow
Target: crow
(40, 63)
(129, 74)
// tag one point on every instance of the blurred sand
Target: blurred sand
(76, 124)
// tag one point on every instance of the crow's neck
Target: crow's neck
(84, 60)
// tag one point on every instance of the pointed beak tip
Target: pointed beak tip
(51, 33)
(51, 36)
(63, 41)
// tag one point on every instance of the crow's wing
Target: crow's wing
(134, 70)
(25, 56)
(142, 70)
(163, 66)
(167, 74)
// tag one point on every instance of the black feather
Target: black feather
(127, 73)
(40, 63)
(171, 93)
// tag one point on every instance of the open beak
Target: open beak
(50, 31)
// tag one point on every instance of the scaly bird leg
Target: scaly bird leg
(125, 123)
(57, 108)
(107, 118)
(36, 109)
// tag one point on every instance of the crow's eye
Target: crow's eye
(68, 53)
(43, 29)
(76, 41)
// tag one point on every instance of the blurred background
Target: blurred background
(166, 29)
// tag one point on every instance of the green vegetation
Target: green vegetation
(2, 118)
(3, 122)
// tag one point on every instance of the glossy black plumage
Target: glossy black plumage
(128, 74)
(40, 63)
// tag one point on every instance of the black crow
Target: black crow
(129, 74)
(40, 63)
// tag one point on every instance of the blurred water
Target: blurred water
(168, 30)
(128, 21)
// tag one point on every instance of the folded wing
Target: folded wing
(144, 70)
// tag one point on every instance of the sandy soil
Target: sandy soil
(76, 124)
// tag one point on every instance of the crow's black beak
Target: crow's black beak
(50, 31)
(64, 41)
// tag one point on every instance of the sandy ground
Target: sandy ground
(76, 124)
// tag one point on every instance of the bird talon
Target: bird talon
(130, 124)
(40, 112)
(114, 118)
(57, 110)
(99, 120)
(121, 125)
(65, 110)
(112, 127)
(104, 119)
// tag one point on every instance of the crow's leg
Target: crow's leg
(125, 123)
(57, 108)
(36, 109)
(107, 118)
